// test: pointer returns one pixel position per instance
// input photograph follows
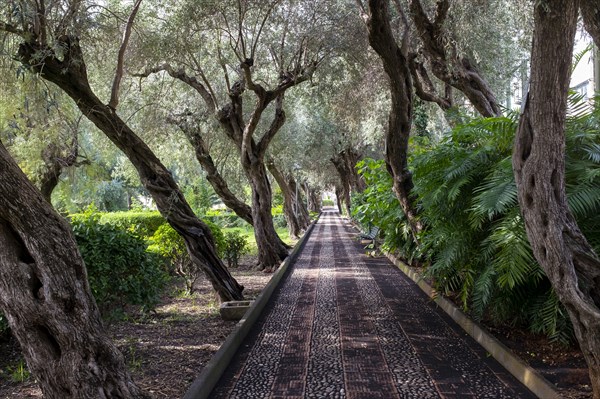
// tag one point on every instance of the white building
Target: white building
(585, 78)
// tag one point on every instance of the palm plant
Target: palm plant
(475, 239)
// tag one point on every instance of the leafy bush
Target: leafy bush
(141, 223)
(328, 202)
(120, 270)
(224, 218)
(236, 245)
(377, 206)
(167, 243)
(474, 237)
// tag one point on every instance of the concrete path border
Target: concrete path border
(528, 376)
(206, 381)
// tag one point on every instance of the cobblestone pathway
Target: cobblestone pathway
(343, 325)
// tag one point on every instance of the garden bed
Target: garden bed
(165, 350)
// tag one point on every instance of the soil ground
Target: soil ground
(166, 350)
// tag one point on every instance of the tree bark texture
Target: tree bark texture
(289, 206)
(339, 197)
(343, 191)
(396, 66)
(271, 249)
(45, 295)
(452, 69)
(56, 161)
(590, 11)
(314, 198)
(71, 76)
(539, 166)
(303, 215)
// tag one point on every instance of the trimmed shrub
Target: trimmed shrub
(236, 245)
(167, 243)
(141, 223)
(120, 271)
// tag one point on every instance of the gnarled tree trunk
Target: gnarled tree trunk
(314, 198)
(71, 76)
(212, 173)
(270, 248)
(396, 66)
(342, 191)
(45, 295)
(289, 207)
(590, 11)
(56, 161)
(300, 206)
(453, 69)
(539, 166)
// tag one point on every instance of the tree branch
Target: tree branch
(4, 27)
(276, 124)
(590, 11)
(424, 87)
(114, 95)
(187, 79)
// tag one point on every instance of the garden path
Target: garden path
(345, 325)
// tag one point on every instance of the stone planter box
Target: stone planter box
(234, 310)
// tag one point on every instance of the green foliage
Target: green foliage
(224, 218)
(19, 372)
(474, 238)
(236, 245)
(167, 243)
(120, 271)
(328, 202)
(141, 223)
(201, 196)
(378, 206)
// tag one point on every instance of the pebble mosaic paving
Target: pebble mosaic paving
(342, 325)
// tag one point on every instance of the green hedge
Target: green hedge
(140, 223)
(120, 270)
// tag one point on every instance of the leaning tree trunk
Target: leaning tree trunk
(539, 165)
(55, 163)
(396, 66)
(45, 295)
(314, 197)
(71, 76)
(271, 250)
(339, 193)
(288, 201)
(213, 176)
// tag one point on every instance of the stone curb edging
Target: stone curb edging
(529, 377)
(203, 385)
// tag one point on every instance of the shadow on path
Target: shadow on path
(344, 325)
